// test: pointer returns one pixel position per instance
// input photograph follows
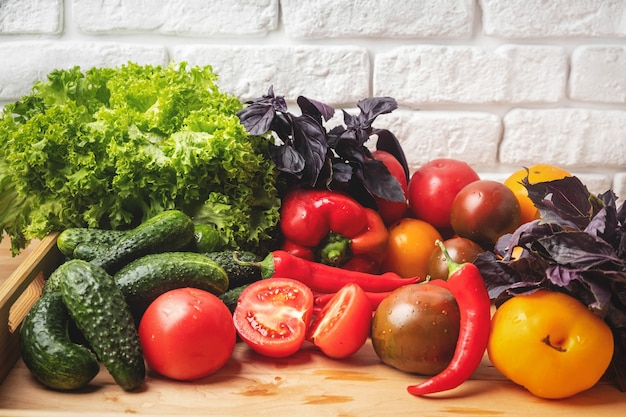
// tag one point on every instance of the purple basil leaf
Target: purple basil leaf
(334, 134)
(287, 159)
(620, 239)
(591, 288)
(350, 121)
(523, 236)
(342, 172)
(347, 148)
(257, 118)
(388, 142)
(310, 141)
(315, 109)
(562, 276)
(580, 250)
(375, 106)
(567, 197)
(380, 183)
(516, 277)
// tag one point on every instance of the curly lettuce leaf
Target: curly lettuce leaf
(111, 147)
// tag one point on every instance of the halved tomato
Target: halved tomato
(272, 316)
(343, 325)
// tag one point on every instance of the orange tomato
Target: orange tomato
(536, 173)
(550, 343)
(411, 241)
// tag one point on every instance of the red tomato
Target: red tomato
(392, 211)
(187, 334)
(434, 185)
(272, 316)
(343, 325)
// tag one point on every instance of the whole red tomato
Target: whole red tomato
(484, 210)
(343, 325)
(434, 185)
(391, 211)
(187, 334)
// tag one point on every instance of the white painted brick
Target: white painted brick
(554, 18)
(567, 137)
(331, 74)
(595, 183)
(619, 186)
(178, 17)
(382, 18)
(599, 73)
(32, 16)
(26, 62)
(425, 135)
(434, 74)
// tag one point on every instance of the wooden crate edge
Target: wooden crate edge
(42, 260)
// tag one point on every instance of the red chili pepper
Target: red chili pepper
(324, 278)
(375, 298)
(468, 287)
(335, 227)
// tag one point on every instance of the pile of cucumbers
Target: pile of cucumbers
(91, 305)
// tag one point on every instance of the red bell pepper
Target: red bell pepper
(332, 228)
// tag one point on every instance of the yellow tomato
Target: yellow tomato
(536, 173)
(550, 343)
(411, 241)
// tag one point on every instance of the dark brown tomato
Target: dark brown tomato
(415, 329)
(461, 250)
(483, 211)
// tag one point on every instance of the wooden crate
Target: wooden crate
(19, 291)
(306, 384)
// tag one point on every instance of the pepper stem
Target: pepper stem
(335, 250)
(266, 265)
(453, 266)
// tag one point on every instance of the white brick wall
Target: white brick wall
(499, 84)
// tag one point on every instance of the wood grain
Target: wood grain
(306, 384)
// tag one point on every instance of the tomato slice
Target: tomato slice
(344, 323)
(272, 316)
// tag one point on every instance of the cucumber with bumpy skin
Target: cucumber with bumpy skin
(238, 273)
(143, 280)
(168, 231)
(100, 312)
(89, 251)
(69, 239)
(47, 350)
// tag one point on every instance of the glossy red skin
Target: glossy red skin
(308, 216)
(272, 316)
(485, 210)
(434, 185)
(343, 325)
(392, 211)
(187, 334)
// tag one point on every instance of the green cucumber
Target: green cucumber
(144, 279)
(231, 297)
(207, 238)
(168, 231)
(69, 239)
(89, 251)
(238, 273)
(100, 312)
(47, 350)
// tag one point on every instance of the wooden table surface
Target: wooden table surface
(307, 384)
